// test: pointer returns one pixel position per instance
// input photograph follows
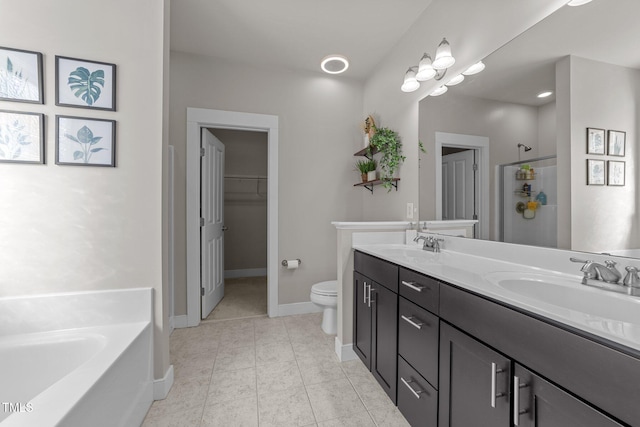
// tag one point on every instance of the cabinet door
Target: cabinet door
(542, 404)
(362, 318)
(384, 358)
(474, 382)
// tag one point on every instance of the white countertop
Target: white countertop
(609, 315)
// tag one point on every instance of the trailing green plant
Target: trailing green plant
(421, 146)
(86, 85)
(365, 166)
(387, 142)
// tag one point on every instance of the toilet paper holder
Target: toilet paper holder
(285, 262)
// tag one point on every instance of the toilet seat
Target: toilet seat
(328, 288)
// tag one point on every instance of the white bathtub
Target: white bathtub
(97, 375)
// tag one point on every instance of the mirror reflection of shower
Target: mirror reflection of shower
(525, 147)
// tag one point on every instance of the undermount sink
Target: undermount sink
(568, 293)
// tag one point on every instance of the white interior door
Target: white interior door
(458, 186)
(212, 222)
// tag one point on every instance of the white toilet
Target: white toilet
(325, 294)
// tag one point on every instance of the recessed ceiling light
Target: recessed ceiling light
(578, 2)
(474, 69)
(545, 94)
(334, 64)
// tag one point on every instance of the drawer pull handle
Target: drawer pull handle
(409, 320)
(413, 285)
(494, 374)
(516, 400)
(415, 392)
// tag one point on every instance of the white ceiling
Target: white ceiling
(602, 30)
(293, 34)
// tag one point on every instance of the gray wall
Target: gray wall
(245, 202)
(602, 96)
(318, 134)
(70, 228)
(505, 124)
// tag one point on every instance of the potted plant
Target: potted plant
(366, 167)
(387, 142)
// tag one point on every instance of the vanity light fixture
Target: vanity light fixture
(429, 68)
(456, 80)
(578, 2)
(410, 82)
(545, 94)
(474, 69)
(334, 64)
(441, 90)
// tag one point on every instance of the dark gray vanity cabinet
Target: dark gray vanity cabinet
(474, 382)
(362, 318)
(375, 329)
(541, 404)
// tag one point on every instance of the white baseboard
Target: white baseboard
(162, 386)
(298, 308)
(345, 352)
(247, 272)
(180, 321)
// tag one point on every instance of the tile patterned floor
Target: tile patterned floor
(243, 297)
(268, 372)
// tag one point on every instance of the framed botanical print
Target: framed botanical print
(21, 76)
(85, 142)
(85, 84)
(616, 143)
(595, 172)
(616, 174)
(21, 137)
(595, 141)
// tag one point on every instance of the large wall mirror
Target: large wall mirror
(537, 179)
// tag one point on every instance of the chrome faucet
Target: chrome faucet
(430, 243)
(592, 270)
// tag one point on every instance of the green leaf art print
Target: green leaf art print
(86, 85)
(13, 138)
(87, 141)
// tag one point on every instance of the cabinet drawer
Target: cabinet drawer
(374, 268)
(417, 400)
(418, 339)
(420, 289)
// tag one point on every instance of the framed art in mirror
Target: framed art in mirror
(595, 172)
(595, 141)
(21, 137)
(616, 170)
(616, 143)
(21, 76)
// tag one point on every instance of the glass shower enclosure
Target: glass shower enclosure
(528, 205)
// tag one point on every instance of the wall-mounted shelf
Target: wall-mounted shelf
(370, 184)
(365, 153)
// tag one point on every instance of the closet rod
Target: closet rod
(245, 177)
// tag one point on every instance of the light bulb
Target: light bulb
(439, 91)
(410, 83)
(456, 80)
(425, 69)
(444, 59)
(474, 69)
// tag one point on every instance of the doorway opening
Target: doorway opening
(471, 146)
(460, 184)
(245, 183)
(197, 120)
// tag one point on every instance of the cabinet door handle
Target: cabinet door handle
(364, 292)
(413, 285)
(370, 300)
(409, 320)
(516, 400)
(494, 379)
(415, 392)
